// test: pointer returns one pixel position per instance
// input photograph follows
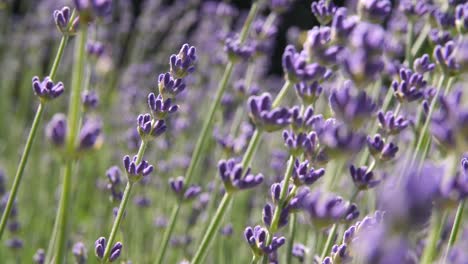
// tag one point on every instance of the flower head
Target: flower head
(136, 170)
(234, 178)
(183, 63)
(47, 90)
(264, 117)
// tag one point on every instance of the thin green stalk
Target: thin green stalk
(292, 234)
(455, 228)
(437, 225)
(212, 229)
(409, 41)
(123, 205)
(74, 117)
(283, 196)
(254, 260)
(167, 233)
(29, 142)
(329, 242)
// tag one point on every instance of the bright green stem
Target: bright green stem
(27, 148)
(254, 260)
(21, 166)
(409, 42)
(292, 234)
(437, 225)
(167, 234)
(74, 116)
(212, 229)
(283, 196)
(123, 205)
(329, 242)
(455, 228)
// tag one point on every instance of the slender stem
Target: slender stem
(27, 148)
(437, 225)
(74, 116)
(292, 234)
(282, 93)
(409, 42)
(251, 148)
(329, 242)
(248, 22)
(167, 234)
(283, 196)
(212, 229)
(455, 228)
(254, 260)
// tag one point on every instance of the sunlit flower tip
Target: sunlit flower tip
(160, 107)
(308, 92)
(374, 10)
(423, 64)
(234, 178)
(149, 127)
(99, 247)
(323, 11)
(39, 256)
(90, 135)
(170, 87)
(264, 117)
(297, 69)
(183, 63)
(115, 252)
(89, 99)
(305, 175)
(80, 253)
(56, 129)
(136, 171)
(46, 89)
(238, 51)
(461, 18)
(392, 124)
(95, 49)
(363, 178)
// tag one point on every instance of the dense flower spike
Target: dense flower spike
(135, 171)
(323, 11)
(380, 150)
(303, 174)
(264, 117)
(392, 124)
(338, 139)
(234, 178)
(100, 245)
(160, 107)
(47, 89)
(363, 178)
(257, 239)
(411, 86)
(184, 193)
(297, 69)
(56, 129)
(148, 127)
(308, 92)
(170, 87)
(183, 63)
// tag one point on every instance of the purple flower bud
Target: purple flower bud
(380, 150)
(90, 135)
(264, 117)
(299, 251)
(56, 129)
(136, 171)
(342, 26)
(99, 247)
(183, 63)
(308, 92)
(374, 10)
(445, 59)
(62, 20)
(318, 46)
(170, 87)
(47, 90)
(392, 124)
(15, 243)
(237, 50)
(90, 8)
(80, 253)
(302, 175)
(267, 215)
(160, 107)
(115, 252)
(234, 177)
(89, 99)
(297, 69)
(149, 127)
(39, 256)
(423, 64)
(461, 18)
(323, 10)
(363, 178)
(95, 49)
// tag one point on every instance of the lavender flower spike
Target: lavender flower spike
(90, 135)
(62, 20)
(135, 171)
(362, 178)
(297, 69)
(169, 86)
(149, 127)
(99, 247)
(264, 116)
(47, 90)
(160, 107)
(323, 10)
(183, 63)
(184, 193)
(234, 178)
(56, 129)
(257, 239)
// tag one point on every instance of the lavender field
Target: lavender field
(218, 132)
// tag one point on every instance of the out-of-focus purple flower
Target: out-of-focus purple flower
(15, 243)
(453, 190)
(149, 127)
(301, 143)
(339, 140)
(325, 209)
(318, 47)
(297, 69)
(183, 63)
(95, 49)
(392, 124)
(461, 18)
(234, 178)
(444, 19)
(380, 150)
(227, 230)
(114, 175)
(411, 86)
(3, 180)
(439, 37)
(323, 10)
(135, 171)
(445, 59)
(46, 89)
(363, 179)
(80, 253)
(374, 10)
(342, 26)
(413, 10)
(308, 92)
(264, 117)
(302, 121)
(39, 256)
(303, 174)
(236, 50)
(460, 53)
(184, 193)
(299, 251)
(90, 8)
(89, 99)
(160, 107)
(351, 109)
(90, 135)
(170, 87)
(423, 64)
(100, 246)
(257, 239)
(62, 20)
(56, 129)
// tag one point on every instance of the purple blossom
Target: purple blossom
(323, 11)
(80, 253)
(100, 246)
(444, 58)
(234, 178)
(56, 129)
(318, 46)
(257, 239)
(160, 107)
(461, 17)
(342, 26)
(238, 51)
(363, 178)
(95, 49)
(374, 10)
(149, 127)
(297, 69)
(411, 86)
(380, 150)
(114, 176)
(392, 124)
(423, 64)
(135, 171)
(90, 8)
(62, 20)
(264, 117)
(183, 63)
(308, 92)
(184, 193)
(304, 174)
(89, 99)
(90, 135)
(170, 87)
(46, 90)
(39, 256)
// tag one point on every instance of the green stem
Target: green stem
(329, 242)
(437, 225)
(292, 234)
(283, 196)
(167, 234)
(212, 229)
(254, 260)
(455, 228)
(27, 148)
(123, 205)
(409, 42)
(74, 116)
